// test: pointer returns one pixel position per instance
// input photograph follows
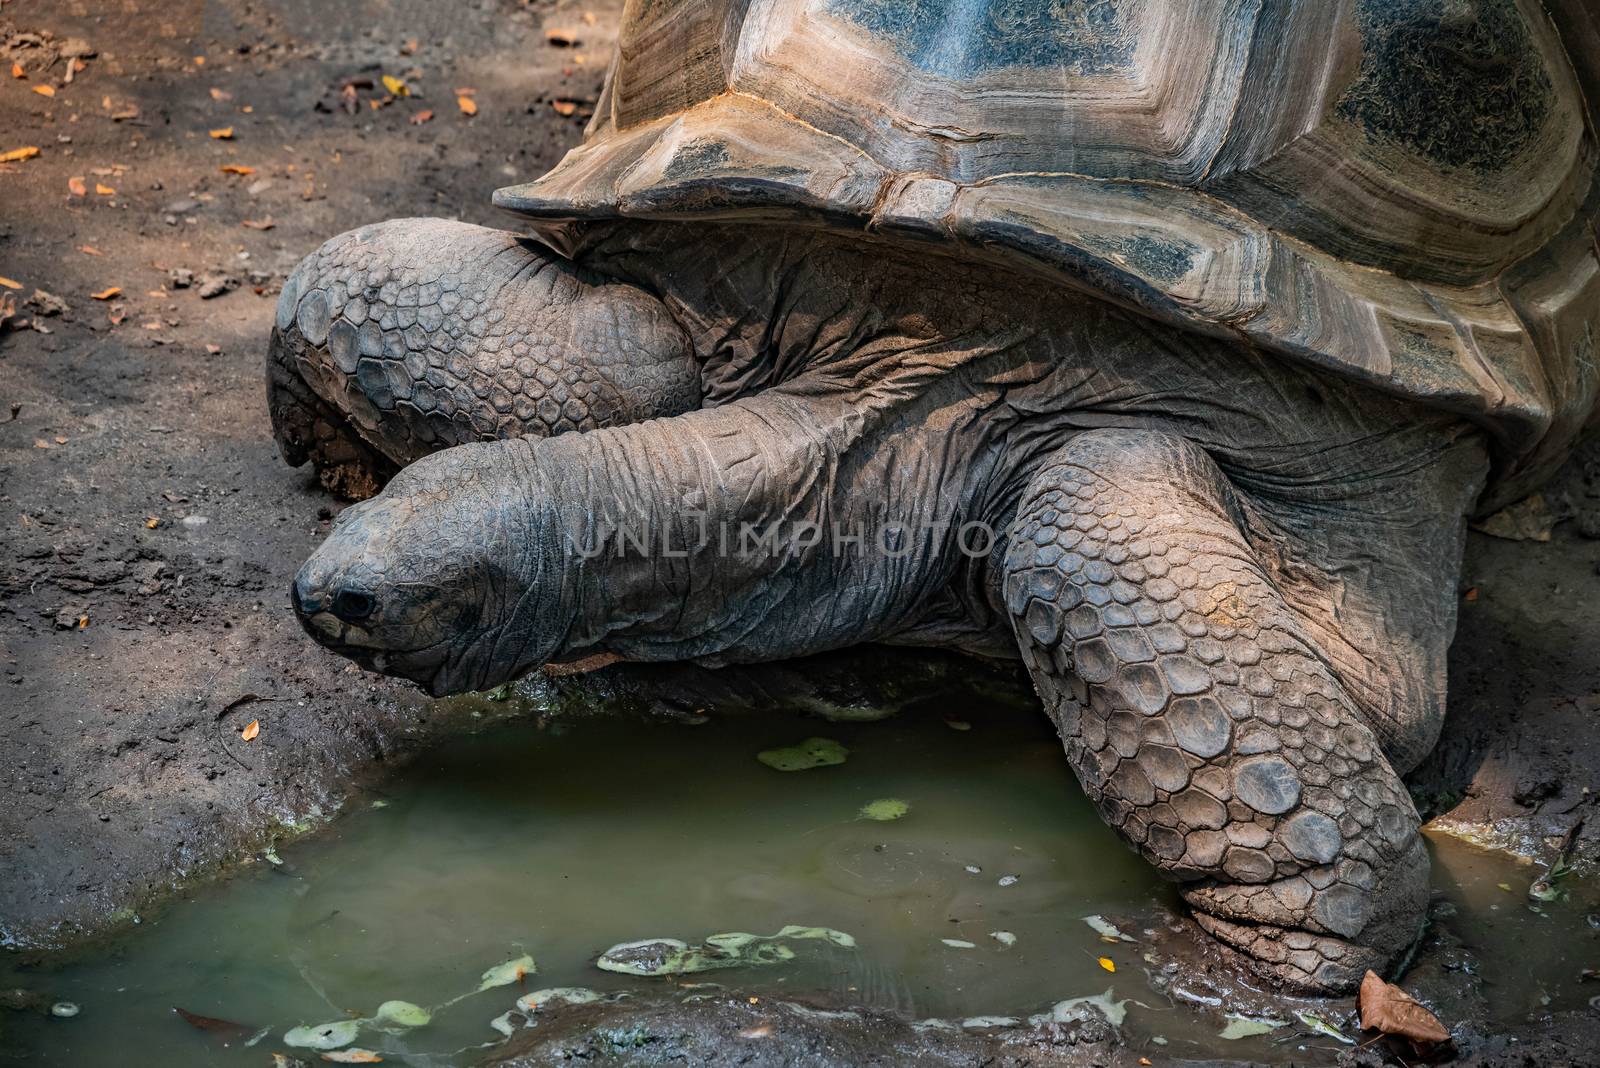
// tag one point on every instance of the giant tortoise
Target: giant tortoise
(1167, 345)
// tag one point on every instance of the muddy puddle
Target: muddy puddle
(941, 864)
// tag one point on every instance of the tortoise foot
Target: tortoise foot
(1203, 718)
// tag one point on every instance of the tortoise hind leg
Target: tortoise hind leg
(402, 338)
(1201, 714)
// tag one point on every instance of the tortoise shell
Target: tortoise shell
(1403, 191)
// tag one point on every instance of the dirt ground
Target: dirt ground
(150, 529)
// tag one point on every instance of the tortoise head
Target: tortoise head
(438, 579)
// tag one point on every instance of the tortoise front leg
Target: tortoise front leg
(402, 338)
(1202, 716)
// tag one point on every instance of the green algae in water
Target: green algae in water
(884, 809)
(811, 753)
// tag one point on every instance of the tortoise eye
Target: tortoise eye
(352, 606)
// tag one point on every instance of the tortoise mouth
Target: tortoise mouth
(355, 640)
(426, 665)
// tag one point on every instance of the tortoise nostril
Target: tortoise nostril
(353, 605)
(304, 599)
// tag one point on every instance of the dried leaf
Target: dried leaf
(1075, 1009)
(561, 37)
(90, 250)
(396, 86)
(353, 1056)
(250, 731)
(9, 283)
(1394, 1012)
(1108, 964)
(237, 168)
(45, 90)
(1106, 929)
(1239, 1027)
(402, 1015)
(1323, 1027)
(152, 522)
(108, 293)
(117, 314)
(811, 753)
(76, 187)
(258, 224)
(421, 117)
(127, 113)
(323, 1036)
(1529, 519)
(215, 1026)
(564, 107)
(104, 190)
(17, 155)
(223, 134)
(17, 71)
(467, 105)
(220, 94)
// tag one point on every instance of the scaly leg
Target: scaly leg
(399, 339)
(1203, 715)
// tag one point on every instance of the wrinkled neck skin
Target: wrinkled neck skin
(853, 387)
(817, 499)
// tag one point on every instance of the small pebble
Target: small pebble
(1008, 880)
(215, 285)
(1005, 938)
(958, 943)
(973, 869)
(64, 1009)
